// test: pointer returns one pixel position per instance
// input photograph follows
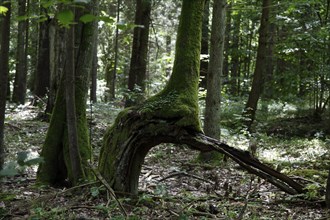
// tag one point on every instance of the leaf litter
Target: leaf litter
(173, 183)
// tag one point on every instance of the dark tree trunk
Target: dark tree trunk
(227, 44)
(93, 97)
(4, 72)
(258, 77)
(19, 92)
(138, 66)
(71, 119)
(42, 77)
(235, 63)
(205, 45)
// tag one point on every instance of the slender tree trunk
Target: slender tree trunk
(93, 87)
(213, 95)
(138, 67)
(258, 77)
(227, 43)
(4, 72)
(113, 76)
(205, 45)
(19, 92)
(54, 38)
(42, 78)
(235, 63)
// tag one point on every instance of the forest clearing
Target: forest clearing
(146, 109)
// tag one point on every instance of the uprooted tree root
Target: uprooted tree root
(133, 134)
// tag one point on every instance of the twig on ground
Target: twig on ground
(182, 173)
(110, 190)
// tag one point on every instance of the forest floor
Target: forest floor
(173, 184)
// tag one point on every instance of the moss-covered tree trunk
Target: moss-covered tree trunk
(57, 166)
(172, 117)
(138, 129)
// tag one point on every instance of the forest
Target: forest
(150, 109)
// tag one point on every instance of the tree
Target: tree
(171, 116)
(42, 75)
(56, 150)
(138, 65)
(4, 71)
(205, 44)
(213, 95)
(258, 77)
(19, 92)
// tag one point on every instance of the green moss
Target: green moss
(317, 175)
(7, 197)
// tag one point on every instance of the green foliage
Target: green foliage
(95, 191)
(87, 18)
(313, 191)
(15, 167)
(65, 18)
(3, 10)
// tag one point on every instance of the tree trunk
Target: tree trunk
(258, 77)
(57, 166)
(19, 92)
(177, 103)
(227, 43)
(93, 88)
(42, 77)
(71, 120)
(138, 67)
(235, 63)
(4, 72)
(213, 95)
(172, 117)
(205, 45)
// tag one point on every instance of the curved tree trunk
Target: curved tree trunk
(172, 117)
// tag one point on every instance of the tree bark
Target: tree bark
(177, 102)
(42, 77)
(205, 45)
(57, 166)
(214, 75)
(138, 67)
(213, 95)
(235, 63)
(258, 77)
(19, 92)
(4, 72)
(71, 120)
(93, 88)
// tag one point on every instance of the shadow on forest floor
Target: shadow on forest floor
(173, 183)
